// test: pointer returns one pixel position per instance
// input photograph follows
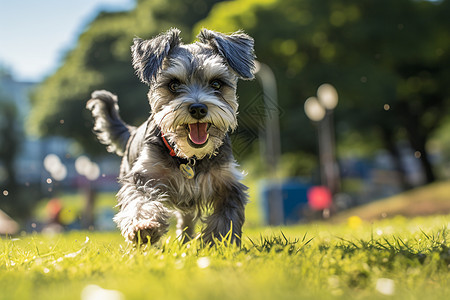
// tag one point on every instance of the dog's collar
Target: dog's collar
(186, 166)
(171, 151)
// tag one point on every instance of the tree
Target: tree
(388, 60)
(102, 60)
(9, 146)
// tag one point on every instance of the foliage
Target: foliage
(9, 139)
(318, 261)
(9, 146)
(101, 60)
(440, 143)
(388, 62)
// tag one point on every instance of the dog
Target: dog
(180, 161)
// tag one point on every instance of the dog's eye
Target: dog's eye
(174, 85)
(216, 84)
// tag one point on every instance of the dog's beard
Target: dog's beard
(192, 137)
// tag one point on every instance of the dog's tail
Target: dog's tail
(108, 126)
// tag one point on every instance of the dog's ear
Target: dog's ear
(148, 55)
(236, 48)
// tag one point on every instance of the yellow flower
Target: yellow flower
(354, 222)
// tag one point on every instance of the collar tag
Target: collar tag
(188, 169)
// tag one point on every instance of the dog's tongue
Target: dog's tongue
(198, 134)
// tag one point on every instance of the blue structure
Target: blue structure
(294, 200)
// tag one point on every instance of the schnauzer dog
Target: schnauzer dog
(180, 162)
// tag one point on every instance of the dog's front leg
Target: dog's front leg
(185, 226)
(141, 210)
(228, 215)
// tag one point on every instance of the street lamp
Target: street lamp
(55, 167)
(89, 169)
(272, 123)
(314, 110)
(271, 137)
(320, 111)
(328, 96)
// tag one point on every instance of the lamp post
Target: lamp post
(89, 169)
(272, 123)
(320, 110)
(271, 137)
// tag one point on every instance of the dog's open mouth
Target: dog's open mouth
(198, 134)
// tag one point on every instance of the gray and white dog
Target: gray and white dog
(180, 162)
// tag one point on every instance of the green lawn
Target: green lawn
(403, 258)
(426, 200)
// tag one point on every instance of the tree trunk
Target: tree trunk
(425, 162)
(418, 142)
(88, 219)
(389, 143)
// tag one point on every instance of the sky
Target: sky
(35, 34)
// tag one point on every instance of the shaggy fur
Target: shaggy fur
(193, 107)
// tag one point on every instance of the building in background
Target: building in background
(29, 160)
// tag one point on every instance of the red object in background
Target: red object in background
(54, 208)
(319, 197)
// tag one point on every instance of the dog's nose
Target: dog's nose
(198, 110)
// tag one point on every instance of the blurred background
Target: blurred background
(348, 113)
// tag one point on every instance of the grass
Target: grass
(426, 200)
(403, 258)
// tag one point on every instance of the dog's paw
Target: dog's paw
(146, 231)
